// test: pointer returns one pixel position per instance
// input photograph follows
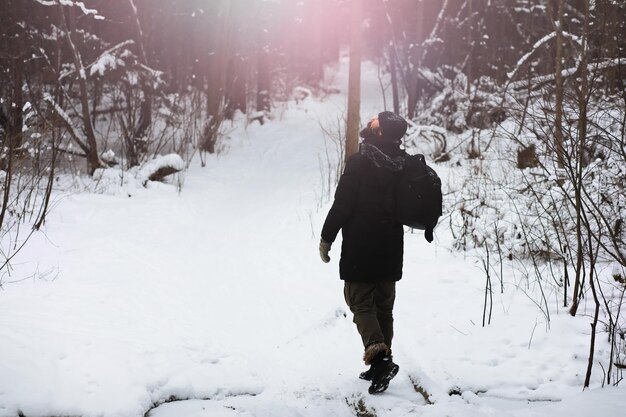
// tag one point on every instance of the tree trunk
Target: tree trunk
(394, 78)
(263, 80)
(596, 301)
(582, 136)
(236, 86)
(137, 140)
(218, 64)
(558, 117)
(470, 48)
(11, 114)
(415, 61)
(238, 65)
(263, 74)
(354, 81)
(93, 157)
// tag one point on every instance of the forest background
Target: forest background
(527, 96)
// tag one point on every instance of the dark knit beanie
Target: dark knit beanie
(392, 126)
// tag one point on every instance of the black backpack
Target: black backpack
(418, 194)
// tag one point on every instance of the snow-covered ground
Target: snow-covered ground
(217, 294)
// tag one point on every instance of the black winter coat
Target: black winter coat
(373, 241)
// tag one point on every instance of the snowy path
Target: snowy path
(218, 293)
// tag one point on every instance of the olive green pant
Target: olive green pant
(372, 307)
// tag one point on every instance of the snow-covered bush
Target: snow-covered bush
(115, 180)
(448, 107)
(430, 140)
(562, 223)
(457, 106)
(538, 202)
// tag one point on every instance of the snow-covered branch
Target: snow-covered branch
(152, 71)
(536, 46)
(86, 11)
(543, 79)
(76, 135)
(106, 58)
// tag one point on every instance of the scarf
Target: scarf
(381, 159)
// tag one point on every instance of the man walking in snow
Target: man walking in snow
(373, 241)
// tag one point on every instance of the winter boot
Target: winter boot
(367, 375)
(383, 370)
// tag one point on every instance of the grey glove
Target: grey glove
(324, 249)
